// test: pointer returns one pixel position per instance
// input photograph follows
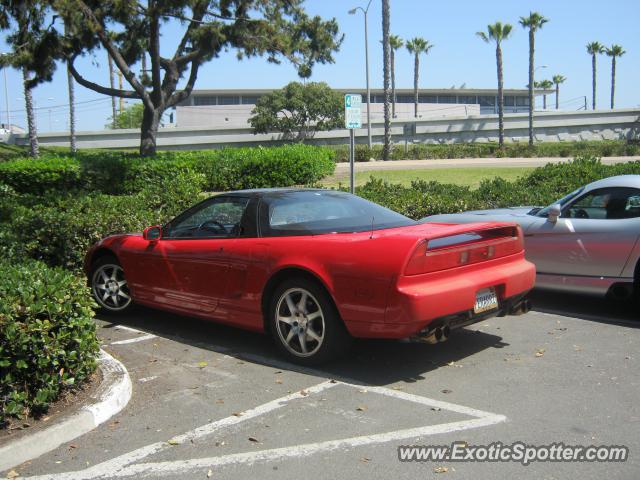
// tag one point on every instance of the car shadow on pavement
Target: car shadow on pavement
(369, 362)
(587, 307)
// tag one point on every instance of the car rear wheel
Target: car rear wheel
(305, 323)
(109, 285)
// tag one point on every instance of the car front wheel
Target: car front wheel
(305, 323)
(109, 285)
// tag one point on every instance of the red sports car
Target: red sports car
(315, 268)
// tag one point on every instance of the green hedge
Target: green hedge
(539, 188)
(59, 229)
(601, 148)
(47, 337)
(126, 173)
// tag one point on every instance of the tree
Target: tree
(72, 111)
(557, 80)
(130, 117)
(497, 33)
(614, 52)
(544, 85)
(533, 22)
(34, 46)
(417, 46)
(594, 49)
(386, 69)
(298, 111)
(276, 29)
(395, 43)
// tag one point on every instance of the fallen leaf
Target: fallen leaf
(46, 419)
(237, 414)
(364, 390)
(396, 388)
(441, 470)
(202, 364)
(446, 390)
(540, 352)
(173, 442)
(361, 408)
(254, 440)
(220, 401)
(436, 409)
(219, 444)
(209, 473)
(304, 393)
(365, 459)
(333, 381)
(73, 445)
(278, 381)
(277, 372)
(12, 474)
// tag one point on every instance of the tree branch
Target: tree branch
(115, 54)
(112, 92)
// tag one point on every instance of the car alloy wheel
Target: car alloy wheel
(300, 322)
(110, 288)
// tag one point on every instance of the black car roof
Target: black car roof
(261, 192)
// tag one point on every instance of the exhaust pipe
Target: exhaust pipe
(521, 308)
(438, 335)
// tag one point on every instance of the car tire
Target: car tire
(109, 286)
(305, 323)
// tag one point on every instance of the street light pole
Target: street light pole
(366, 54)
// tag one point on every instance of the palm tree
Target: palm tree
(72, 109)
(395, 42)
(594, 49)
(557, 80)
(114, 112)
(614, 52)
(497, 33)
(544, 85)
(34, 147)
(417, 46)
(533, 22)
(386, 54)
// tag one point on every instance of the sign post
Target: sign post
(352, 120)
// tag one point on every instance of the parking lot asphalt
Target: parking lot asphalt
(211, 401)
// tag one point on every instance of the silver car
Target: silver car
(588, 241)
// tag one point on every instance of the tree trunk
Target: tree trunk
(613, 81)
(531, 81)
(386, 20)
(114, 112)
(500, 96)
(149, 131)
(72, 113)
(416, 74)
(593, 81)
(393, 82)
(34, 149)
(557, 96)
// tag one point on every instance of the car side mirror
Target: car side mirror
(554, 213)
(153, 234)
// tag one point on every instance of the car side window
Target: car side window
(606, 204)
(219, 218)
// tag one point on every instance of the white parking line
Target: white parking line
(125, 466)
(128, 329)
(135, 340)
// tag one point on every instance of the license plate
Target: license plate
(486, 299)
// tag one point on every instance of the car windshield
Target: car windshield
(312, 212)
(562, 202)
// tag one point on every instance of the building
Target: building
(232, 108)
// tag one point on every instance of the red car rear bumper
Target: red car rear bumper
(420, 301)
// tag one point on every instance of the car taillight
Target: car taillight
(444, 253)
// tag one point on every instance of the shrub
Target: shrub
(119, 173)
(47, 336)
(424, 151)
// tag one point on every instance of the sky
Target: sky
(458, 57)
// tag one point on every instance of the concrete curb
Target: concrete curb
(111, 397)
